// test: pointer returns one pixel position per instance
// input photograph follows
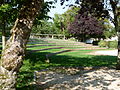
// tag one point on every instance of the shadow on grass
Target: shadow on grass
(88, 61)
(36, 61)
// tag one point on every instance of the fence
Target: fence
(53, 36)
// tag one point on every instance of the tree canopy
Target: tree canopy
(86, 27)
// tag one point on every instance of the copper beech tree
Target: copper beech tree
(12, 55)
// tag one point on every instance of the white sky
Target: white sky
(59, 9)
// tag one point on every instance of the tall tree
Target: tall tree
(85, 27)
(12, 55)
(115, 5)
(61, 21)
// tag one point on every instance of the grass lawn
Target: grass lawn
(36, 61)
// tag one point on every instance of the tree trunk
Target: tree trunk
(3, 36)
(118, 60)
(3, 41)
(14, 52)
(116, 24)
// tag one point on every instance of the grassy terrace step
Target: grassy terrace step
(51, 54)
(45, 49)
(75, 43)
(65, 46)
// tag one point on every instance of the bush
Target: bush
(103, 43)
(109, 44)
(112, 44)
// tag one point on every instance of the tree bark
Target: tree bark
(3, 35)
(14, 52)
(118, 59)
(116, 24)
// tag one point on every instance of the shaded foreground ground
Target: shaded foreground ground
(78, 79)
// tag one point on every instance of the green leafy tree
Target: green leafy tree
(45, 28)
(109, 30)
(61, 21)
(8, 15)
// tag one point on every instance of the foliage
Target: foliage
(108, 44)
(85, 27)
(113, 44)
(94, 7)
(9, 12)
(45, 28)
(44, 12)
(110, 33)
(59, 25)
(61, 21)
(103, 43)
(69, 15)
(109, 30)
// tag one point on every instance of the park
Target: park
(75, 50)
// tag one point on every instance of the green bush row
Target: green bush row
(109, 44)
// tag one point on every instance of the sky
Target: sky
(59, 9)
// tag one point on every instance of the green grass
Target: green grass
(36, 61)
(41, 47)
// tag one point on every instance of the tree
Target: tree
(85, 27)
(61, 21)
(15, 46)
(115, 4)
(8, 15)
(109, 30)
(45, 28)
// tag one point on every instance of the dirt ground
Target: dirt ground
(79, 79)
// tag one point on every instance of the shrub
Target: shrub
(112, 44)
(103, 43)
(109, 44)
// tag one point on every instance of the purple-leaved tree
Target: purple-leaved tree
(86, 26)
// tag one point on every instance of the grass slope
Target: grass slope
(36, 61)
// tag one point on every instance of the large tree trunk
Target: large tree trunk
(12, 55)
(118, 60)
